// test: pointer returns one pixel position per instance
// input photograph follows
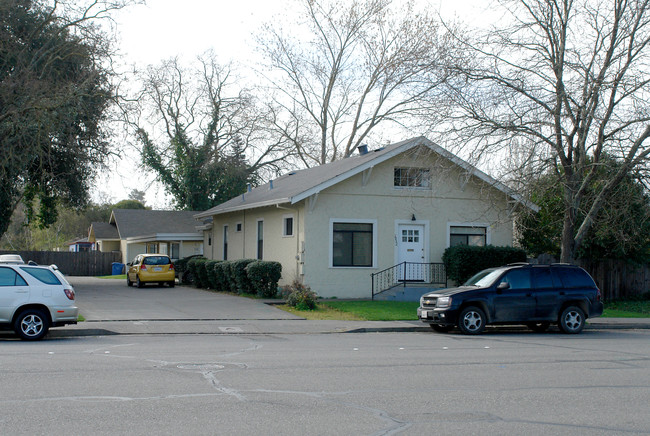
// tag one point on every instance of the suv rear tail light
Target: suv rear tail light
(143, 267)
(171, 266)
(69, 293)
(599, 296)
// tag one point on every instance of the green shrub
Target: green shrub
(221, 275)
(224, 277)
(300, 296)
(239, 277)
(200, 272)
(463, 261)
(190, 274)
(264, 277)
(210, 268)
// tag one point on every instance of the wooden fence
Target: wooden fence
(617, 279)
(91, 263)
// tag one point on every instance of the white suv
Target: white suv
(34, 298)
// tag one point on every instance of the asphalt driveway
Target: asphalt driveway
(113, 300)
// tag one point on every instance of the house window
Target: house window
(152, 248)
(260, 239)
(238, 227)
(175, 250)
(352, 244)
(412, 177)
(467, 235)
(287, 227)
(225, 242)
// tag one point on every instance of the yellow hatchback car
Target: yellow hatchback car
(151, 268)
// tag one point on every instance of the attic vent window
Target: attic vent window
(412, 178)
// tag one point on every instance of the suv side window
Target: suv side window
(42, 275)
(543, 278)
(575, 278)
(517, 278)
(9, 277)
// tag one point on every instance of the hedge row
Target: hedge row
(243, 276)
(463, 261)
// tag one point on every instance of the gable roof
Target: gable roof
(299, 185)
(141, 222)
(104, 231)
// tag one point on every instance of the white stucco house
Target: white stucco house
(334, 225)
(136, 231)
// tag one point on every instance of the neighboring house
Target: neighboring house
(80, 245)
(136, 231)
(332, 226)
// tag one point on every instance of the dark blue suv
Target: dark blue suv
(533, 295)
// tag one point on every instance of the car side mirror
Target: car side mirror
(503, 286)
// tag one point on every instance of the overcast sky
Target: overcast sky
(162, 29)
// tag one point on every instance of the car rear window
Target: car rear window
(575, 278)
(44, 275)
(9, 277)
(156, 260)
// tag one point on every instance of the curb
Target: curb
(287, 327)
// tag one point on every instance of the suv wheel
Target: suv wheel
(572, 320)
(128, 280)
(31, 325)
(471, 321)
(138, 283)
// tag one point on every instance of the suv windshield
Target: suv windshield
(484, 278)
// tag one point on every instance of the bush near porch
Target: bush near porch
(463, 261)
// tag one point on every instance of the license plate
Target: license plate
(158, 268)
(424, 314)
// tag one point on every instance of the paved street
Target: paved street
(188, 362)
(506, 383)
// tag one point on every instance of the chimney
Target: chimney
(363, 149)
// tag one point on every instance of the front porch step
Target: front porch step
(411, 292)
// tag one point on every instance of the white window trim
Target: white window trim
(239, 225)
(488, 230)
(356, 221)
(284, 225)
(413, 188)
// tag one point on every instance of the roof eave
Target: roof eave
(243, 206)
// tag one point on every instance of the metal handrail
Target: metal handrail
(408, 272)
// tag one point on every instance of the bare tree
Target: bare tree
(569, 79)
(347, 67)
(203, 136)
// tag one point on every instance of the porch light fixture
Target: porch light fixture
(413, 217)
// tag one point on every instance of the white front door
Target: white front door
(410, 249)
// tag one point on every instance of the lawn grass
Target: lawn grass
(407, 311)
(118, 276)
(377, 310)
(627, 309)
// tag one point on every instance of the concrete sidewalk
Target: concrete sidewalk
(295, 326)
